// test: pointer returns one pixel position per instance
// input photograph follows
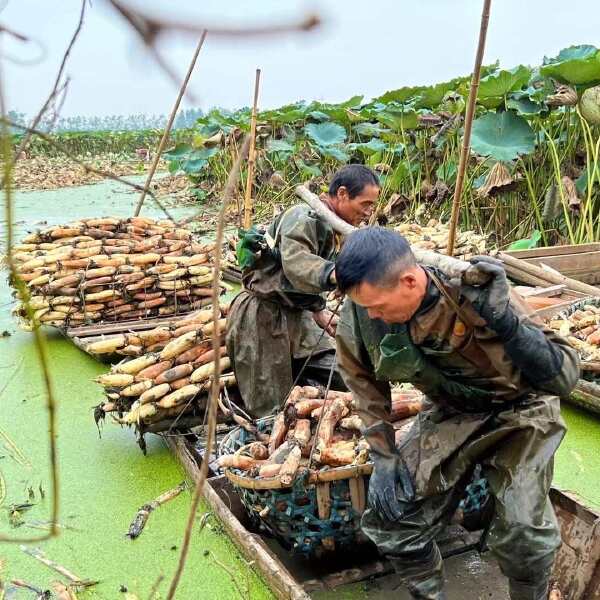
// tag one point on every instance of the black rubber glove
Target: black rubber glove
(492, 300)
(389, 472)
(537, 357)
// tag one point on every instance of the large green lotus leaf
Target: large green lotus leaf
(325, 134)
(503, 136)
(398, 118)
(369, 129)
(279, 146)
(369, 148)
(180, 151)
(319, 116)
(333, 152)
(401, 95)
(575, 65)
(502, 82)
(524, 105)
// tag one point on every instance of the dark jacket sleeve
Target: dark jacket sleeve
(372, 398)
(299, 246)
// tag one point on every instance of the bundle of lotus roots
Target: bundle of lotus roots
(170, 385)
(334, 439)
(112, 269)
(434, 236)
(582, 329)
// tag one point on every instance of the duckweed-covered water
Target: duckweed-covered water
(102, 481)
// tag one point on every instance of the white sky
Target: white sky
(365, 47)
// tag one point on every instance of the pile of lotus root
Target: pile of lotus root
(111, 269)
(299, 429)
(582, 330)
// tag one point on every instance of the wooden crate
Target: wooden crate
(580, 262)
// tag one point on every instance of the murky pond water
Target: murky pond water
(103, 481)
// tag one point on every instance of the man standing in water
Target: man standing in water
(494, 376)
(276, 322)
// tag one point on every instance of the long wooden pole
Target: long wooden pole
(466, 145)
(165, 136)
(251, 158)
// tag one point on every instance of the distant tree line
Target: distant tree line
(184, 119)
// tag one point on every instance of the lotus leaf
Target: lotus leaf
(575, 65)
(326, 134)
(279, 146)
(500, 83)
(503, 136)
(371, 147)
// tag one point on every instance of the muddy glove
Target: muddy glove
(492, 300)
(389, 473)
(539, 359)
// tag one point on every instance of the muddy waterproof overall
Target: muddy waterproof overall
(270, 327)
(484, 412)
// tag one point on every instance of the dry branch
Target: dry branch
(142, 515)
(167, 131)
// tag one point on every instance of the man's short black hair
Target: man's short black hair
(374, 255)
(354, 178)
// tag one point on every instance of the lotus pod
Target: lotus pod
(174, 373)
(563, 96)
(179, 396)
(179, 345)
(205, 371)
(137, 364)
(114, 379)
(155, 393)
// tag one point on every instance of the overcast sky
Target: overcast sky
(364, 47)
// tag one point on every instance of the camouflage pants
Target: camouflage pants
(268, 344)
(515, 448)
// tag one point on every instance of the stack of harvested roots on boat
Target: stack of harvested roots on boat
(169, 385)
(434, 236)
(328, 428)
(582, 329)
(112, 269)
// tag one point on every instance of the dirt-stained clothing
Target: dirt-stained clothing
(484, 411)
(270, 327)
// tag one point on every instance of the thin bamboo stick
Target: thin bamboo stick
(464, 152)
(251, 158)
(167, 131)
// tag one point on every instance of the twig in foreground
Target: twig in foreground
(142, 515)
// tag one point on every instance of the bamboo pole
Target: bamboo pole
(449, 265)
(464, 152)
(165, 136)
(251, 158)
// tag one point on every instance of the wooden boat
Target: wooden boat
(576, 571)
